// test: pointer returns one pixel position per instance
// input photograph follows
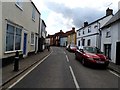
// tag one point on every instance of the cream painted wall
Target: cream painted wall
(0, 29)
(21, 17)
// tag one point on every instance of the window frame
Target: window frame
(89, 29)
(32, 38)
(88, 42)
(108, 34)
(33, 14)
(14, 38)
(19, 4)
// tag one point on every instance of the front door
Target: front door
(118, 53)
(25, 44)
(36, 44)
(107, 49)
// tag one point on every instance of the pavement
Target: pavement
(114, 67)
(7, 72)
(24, 64)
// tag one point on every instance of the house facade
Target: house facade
(42, 35)
(20, 26)
(63, 40)
(90, 34)
(110, 41)
(71, 36)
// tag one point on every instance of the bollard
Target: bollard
(16, 61)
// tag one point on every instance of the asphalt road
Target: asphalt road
(61, 70)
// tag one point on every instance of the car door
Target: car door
(78, 54)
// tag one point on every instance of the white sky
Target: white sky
(56, 22)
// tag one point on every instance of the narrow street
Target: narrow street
(61, 70)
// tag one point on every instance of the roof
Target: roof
(70, 32)
(115, 18)
(94, 22)
(35, 7)
(43, 22)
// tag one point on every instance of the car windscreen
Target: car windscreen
(92, 49)
(72, 45)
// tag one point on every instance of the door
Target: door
(25, 44)
(118, 53)
(36, 44)
(107, 49)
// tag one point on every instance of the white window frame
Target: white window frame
(19, 4)
(89, 29)
(79, 33)
(108, 34)
(14, 50)
(33, 13)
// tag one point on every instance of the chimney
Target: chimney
(73, 28)
(85, 24)
(61, 31)
(109, 12)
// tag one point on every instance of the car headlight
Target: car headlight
(90, 58)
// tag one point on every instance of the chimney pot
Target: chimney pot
(109, 12)
(85, 24)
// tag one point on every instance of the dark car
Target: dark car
(71, 48)
(89, 55)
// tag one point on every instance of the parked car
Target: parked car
(89, 55)
(71, 48)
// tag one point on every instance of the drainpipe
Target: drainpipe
(100, 34)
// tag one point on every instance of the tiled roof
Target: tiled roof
(70, 32)
(93, 22)
(115, 18)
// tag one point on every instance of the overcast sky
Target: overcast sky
(65, 14)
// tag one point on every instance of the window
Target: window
(33, 14)
(89, 29)
(88, 43)
(32, 38)
(18, 39)
(79, 43)
(83, 32)
(83, 42)
(19, 4)
(108, 34)
(78, 33)
(13, 38)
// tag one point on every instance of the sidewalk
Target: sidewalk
(114, 67)
(8, 73)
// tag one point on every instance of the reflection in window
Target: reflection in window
(13, 38)
(18, 39)
(10, 38)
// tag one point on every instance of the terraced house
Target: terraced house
(110, 41)
(20, 25)
(90, 34)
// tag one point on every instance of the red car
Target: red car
(71, 48)
(91, 56)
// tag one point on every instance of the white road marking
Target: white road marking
(114, 73)
(67, 58)
(74, 78)
(73, 75)
(29, 71)
(64, 52)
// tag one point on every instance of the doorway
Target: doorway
(118, 53)
(25, 45)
